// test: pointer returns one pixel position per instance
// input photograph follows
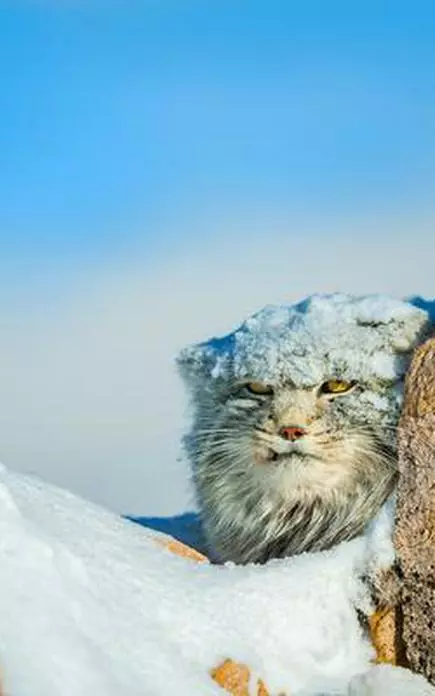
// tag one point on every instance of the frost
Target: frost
(379, 402)
(322, 336)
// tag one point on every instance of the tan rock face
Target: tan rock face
(415, 523)
(384, 628)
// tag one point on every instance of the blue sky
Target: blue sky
(119, 118)
(168, 167)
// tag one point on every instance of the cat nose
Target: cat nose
(292, 432)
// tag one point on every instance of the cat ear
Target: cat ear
(202, 364)
(405, 328)
(412, 331)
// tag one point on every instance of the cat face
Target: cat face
(293, 439)
(309, 440)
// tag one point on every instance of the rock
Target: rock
(235, 678)
(415, 522)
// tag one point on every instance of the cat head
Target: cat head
(305, 395)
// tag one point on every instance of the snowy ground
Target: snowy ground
(91, 605)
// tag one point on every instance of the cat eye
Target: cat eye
(259, 388)
(336, 387)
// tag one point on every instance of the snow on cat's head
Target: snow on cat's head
(367, 339)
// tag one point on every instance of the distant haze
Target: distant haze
(89, 395)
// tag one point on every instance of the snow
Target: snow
(384, 680)
(91, 604)
(358, 336)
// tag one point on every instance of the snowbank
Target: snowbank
(90, 604)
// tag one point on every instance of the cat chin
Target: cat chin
(266, 455)
(306, 476)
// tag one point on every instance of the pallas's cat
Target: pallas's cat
(292, 444)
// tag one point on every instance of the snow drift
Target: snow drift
(90, 604)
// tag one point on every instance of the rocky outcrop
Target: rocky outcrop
(415, 523)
